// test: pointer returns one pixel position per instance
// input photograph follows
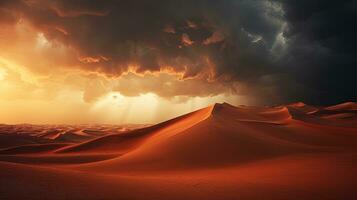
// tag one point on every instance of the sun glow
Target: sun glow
(38, 85)
(43, 81)
(7, 66)
(41, 40)
(2, 74)
(74, 96)
(122, 109)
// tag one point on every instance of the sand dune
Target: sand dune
(12, 139)
(33, 148)
(343, 115)
(25, 134)
(312, 177)
(124, 142)
(343, 106)
(56, 159)
(295, 151)
(232, 134)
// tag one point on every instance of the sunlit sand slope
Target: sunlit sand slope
(290, 152)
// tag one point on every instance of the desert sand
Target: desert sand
(295, 151)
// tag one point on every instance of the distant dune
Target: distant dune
(296, 151)
(344, 106)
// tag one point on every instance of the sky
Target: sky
(145, 61)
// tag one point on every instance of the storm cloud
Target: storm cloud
(321, 52)
(280, 51)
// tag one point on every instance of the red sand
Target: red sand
(219, 152)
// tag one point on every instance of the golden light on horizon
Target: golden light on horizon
(41, 82)
(2, 74)
(75, 97)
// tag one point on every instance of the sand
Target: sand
(295, 151)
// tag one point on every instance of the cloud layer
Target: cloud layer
(277, 51)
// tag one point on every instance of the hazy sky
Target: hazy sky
(144, 61)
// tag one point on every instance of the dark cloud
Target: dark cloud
(286, 50)
(321, 50)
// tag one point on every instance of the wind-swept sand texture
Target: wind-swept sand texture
(219, 152)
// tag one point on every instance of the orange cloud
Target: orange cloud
(93, 59)
(216, 37)
(186, 40)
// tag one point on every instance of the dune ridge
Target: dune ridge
(294, 151)
(123, 142)
(234, 134)
(343, 106)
